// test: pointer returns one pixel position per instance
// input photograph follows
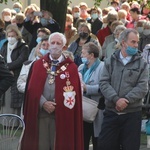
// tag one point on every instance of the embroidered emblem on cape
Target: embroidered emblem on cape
(69, 94)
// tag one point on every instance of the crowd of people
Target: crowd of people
(102, 54)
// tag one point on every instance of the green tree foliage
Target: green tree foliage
(6, 1)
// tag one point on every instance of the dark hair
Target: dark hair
(135, 9)
(44, 30)
(45, 38)
(92, 48)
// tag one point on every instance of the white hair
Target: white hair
(63, 38)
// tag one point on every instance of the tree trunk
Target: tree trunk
(58, 8)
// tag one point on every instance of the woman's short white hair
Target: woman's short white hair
(63, 38)
(146, 25)
(119, 28)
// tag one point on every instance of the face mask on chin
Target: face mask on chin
(43, 51)
(131, 51)
(85, 60)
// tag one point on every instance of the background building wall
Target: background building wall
(25, 3)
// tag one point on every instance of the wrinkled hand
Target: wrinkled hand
(49, 106)
(121, 104)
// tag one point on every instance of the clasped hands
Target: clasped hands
(121, 104)
(49, 106)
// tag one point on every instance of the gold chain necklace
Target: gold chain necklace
(52, 74)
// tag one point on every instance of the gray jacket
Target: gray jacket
(128, 81)
(94, 93)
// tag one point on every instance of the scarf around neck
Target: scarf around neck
(87, 72)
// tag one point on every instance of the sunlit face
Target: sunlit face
(133, 14)
(83, 10)
(30, 14)
(94, 12)
(12, 34)
(68, 21)
(126, 8)
(6, 14)
(75, 10)
(146, 10)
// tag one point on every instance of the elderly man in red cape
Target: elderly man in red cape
(53, 102)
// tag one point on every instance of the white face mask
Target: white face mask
(12, 40)
(7, 18)
(94, 16)
(140, 29)
(76, 15)
(55, 49)
(146, 31)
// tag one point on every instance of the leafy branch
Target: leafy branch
(5, 1)
(97, 2)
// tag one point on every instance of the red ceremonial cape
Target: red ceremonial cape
(69, 123)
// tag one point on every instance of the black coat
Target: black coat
(53, 26)
(95, 25)
(6, 78)
(19, 55)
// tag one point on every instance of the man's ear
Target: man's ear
(123, 43)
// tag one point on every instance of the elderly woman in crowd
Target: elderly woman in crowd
(49, 114)
(145, 36)
(15, 51)
(113, 46)
(110, 38)
(70, 31)
(91, 70)
(75, 47)
(6, 16)
(20, 24)
(17, 7)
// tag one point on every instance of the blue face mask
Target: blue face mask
(44, 21)
(131, 51)
(43, 51)
(94, 16)
(85, 60)
(17, 10)
(38, 40)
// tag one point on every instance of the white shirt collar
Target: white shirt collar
(125, 60)
(60, 59)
